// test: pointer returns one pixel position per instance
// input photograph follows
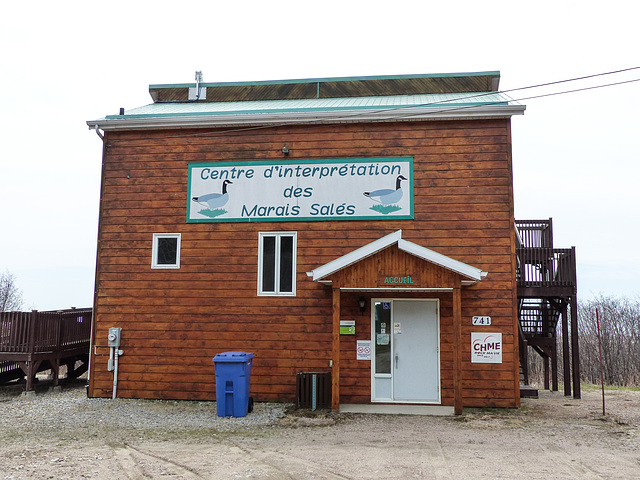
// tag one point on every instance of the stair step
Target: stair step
(527, 391)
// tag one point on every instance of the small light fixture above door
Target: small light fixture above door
(362, 302)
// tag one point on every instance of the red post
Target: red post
(601, 365)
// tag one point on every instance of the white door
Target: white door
(406, 365)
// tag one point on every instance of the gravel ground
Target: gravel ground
(65, 435)
(69, 413)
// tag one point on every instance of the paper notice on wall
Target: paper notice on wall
(363, 349)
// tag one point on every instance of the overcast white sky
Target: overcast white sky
(576, 157)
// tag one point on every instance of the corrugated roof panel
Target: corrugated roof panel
(320, 104)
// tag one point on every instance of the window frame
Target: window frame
(278, 236)
(154, 251)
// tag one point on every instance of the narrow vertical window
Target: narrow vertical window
(269, 264)
(277, 263)
(166, 250)
(286, 264)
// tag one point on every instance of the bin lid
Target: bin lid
(233, 357)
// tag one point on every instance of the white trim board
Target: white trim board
(392, 289)
(398, 409)
(314, 117)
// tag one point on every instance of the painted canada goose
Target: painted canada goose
(387, 196)
(215, 200)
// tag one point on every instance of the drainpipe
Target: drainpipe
(114, 353)
(117, 353)
(99, 134)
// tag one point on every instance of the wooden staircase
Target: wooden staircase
(547, 293)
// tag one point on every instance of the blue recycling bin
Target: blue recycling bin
(233, 383)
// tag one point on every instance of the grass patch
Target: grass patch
(386, 209)
(212, 213)
(592, 387)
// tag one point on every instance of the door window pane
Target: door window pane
(383, 337)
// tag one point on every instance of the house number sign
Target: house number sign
(481, 320)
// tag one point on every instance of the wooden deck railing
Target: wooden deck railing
(27, 339)
(44, 332)
(535, 233)
(546, 267)
(7, 367)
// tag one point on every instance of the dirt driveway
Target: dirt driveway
(64, 435)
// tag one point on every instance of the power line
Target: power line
(464, 107)
(573, 79)
(522, 88)
(424, 105)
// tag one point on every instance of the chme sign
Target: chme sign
(296, 190)
(486, 347)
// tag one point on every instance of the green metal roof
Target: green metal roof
(442, 101)
(325, 100)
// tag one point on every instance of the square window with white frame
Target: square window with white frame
(277, 263)
(166, 250)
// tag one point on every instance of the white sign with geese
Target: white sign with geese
(301, 190)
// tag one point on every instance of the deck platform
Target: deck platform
(31, 342)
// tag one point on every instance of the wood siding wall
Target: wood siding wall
(175, 321)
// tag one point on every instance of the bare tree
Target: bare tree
(10, 295)
(620, 337)
(619, 333)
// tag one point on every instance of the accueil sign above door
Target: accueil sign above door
(296, 190)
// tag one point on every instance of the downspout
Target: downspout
(117, 353)
(98, 132)
(92, 345)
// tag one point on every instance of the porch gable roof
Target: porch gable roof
(471, 274)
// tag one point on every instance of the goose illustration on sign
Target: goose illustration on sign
(214, 201)
(387, 198)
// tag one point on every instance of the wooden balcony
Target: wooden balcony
(535, 233)
(546, 272)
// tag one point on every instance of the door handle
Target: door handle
(396, 357)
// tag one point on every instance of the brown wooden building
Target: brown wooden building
(358, 226)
